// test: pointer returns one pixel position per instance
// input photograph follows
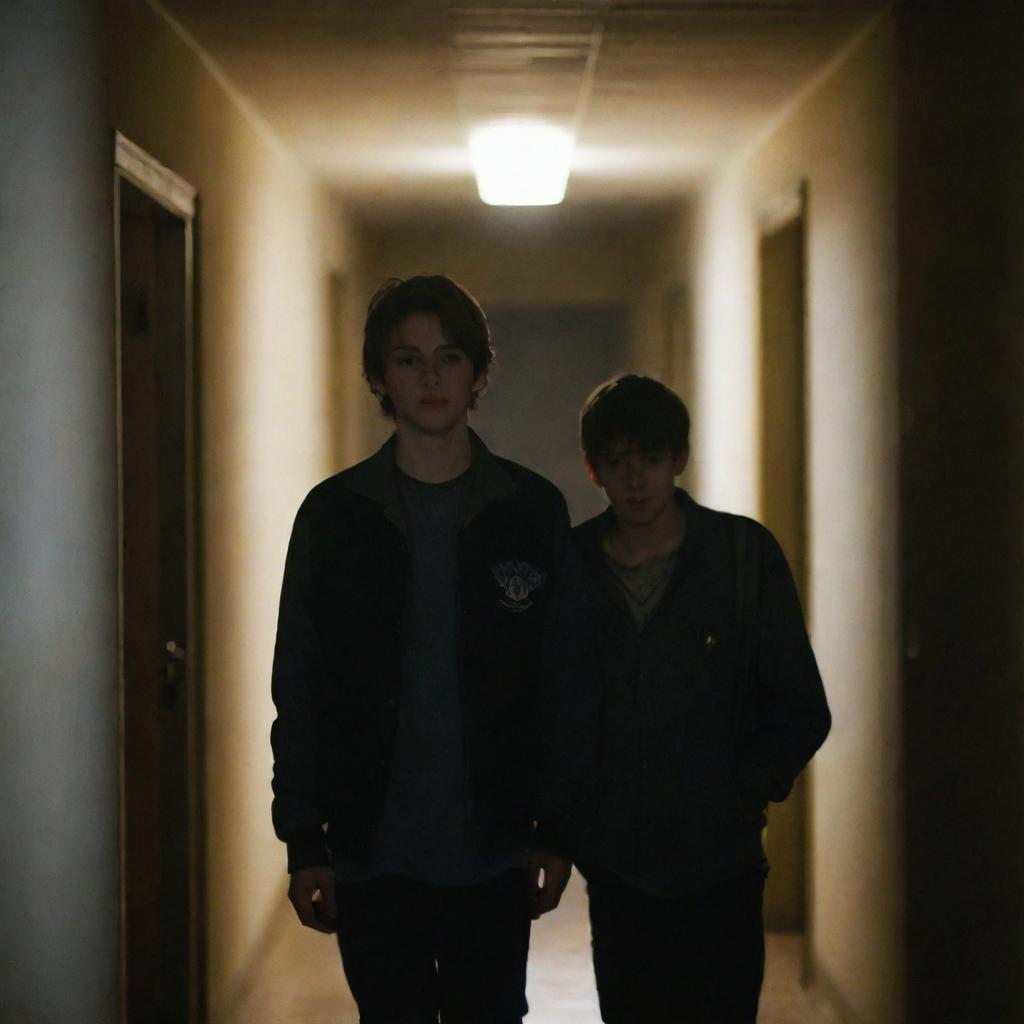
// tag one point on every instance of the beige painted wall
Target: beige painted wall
(269, 240)
(840, 137)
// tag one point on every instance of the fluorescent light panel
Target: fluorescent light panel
(520, 163)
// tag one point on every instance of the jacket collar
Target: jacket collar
(376, 478)
(693, 551)
(593, 530)
(694, 555)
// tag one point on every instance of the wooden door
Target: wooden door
(784, 512)
(159, 694)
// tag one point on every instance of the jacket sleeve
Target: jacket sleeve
(570, 707)
(788, 713)
(296, 686)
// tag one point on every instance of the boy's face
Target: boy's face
(640, 485)
(429, 380)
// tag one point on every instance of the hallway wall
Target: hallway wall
(269, 241)
(839, 137)
(58, 533)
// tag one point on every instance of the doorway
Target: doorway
(784, 508)
(160, 772)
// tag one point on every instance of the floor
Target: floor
(300, 980)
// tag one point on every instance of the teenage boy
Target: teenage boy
(405, 679)
(682, 696)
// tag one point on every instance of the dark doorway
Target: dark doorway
(160, 777)
(784, 511)
(549, 359)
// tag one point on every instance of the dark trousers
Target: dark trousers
(696, 959)
(413, 951)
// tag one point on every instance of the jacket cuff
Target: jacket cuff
(557, 836)
(307, 850)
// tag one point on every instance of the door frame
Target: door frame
(786, 209)
(134, 165)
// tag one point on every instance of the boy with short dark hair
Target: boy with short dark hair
(406, 680)
(682, 696)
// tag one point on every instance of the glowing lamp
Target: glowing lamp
(520, 164)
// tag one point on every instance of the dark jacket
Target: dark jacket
(664, 746)
(338, 658)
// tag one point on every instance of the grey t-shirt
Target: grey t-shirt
(423, 832)
(642, 585)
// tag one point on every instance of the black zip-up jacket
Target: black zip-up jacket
(663, 746)
(338, 658)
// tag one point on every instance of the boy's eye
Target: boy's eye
(405, 360)
(453, 357)
(654, 458)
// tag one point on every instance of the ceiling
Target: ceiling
(377, 98)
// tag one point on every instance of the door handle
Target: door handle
(174, 663)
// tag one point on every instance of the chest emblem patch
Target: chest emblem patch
(517, 581)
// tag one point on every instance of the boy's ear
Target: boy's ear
(591, 472)
(480, 381)
(680, 464)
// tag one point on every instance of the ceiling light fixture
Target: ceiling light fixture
(520, 163)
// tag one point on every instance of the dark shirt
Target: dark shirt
(422, 832)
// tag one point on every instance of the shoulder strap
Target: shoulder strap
(748, 582)
(739, 548)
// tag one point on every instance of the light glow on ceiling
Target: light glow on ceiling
(521, 163)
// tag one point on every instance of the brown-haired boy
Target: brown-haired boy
(682, 696)
(406, 681)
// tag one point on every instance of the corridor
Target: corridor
(298, 978)
(803, 215)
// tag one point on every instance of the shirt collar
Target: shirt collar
(376, 478)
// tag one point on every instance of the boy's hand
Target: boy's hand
(544, 895)
(311, 892)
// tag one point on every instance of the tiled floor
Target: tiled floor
(301, 982)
